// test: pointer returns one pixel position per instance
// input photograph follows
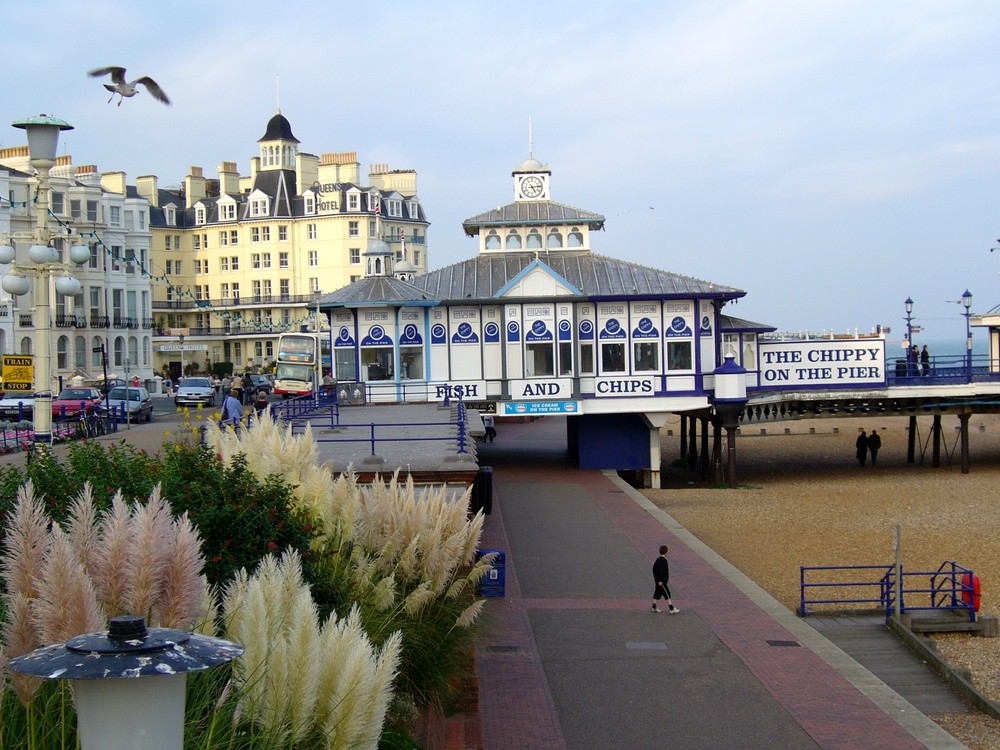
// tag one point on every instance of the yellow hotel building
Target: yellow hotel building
(242, 258)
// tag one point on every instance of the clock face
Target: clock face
(532, 187)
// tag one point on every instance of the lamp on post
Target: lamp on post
(908, 304)
(967, 304)
(46, 263)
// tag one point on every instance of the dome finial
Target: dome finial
(277, 93)
(531, 154)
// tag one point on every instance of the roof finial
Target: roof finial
(531, 154)
(277, 92)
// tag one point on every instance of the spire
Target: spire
(277, 93)
(531, 154)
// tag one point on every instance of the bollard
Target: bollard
(117, 709)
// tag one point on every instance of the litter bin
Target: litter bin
(494, 582)
(482, 491)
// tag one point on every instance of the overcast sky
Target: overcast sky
(830, 158)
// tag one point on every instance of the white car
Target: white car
(16, 406)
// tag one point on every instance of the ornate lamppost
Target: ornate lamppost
(46, 263)
(967, 304)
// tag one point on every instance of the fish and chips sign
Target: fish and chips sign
(822, 363)
(18, 371)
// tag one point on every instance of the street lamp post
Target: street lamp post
(908, 304)
(967, 304)
(43, 139)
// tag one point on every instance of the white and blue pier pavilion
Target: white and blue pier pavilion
(538, 324)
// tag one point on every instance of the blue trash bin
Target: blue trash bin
(494, 582)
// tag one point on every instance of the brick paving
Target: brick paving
(785, 678)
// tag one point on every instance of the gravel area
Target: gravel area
(803, 500)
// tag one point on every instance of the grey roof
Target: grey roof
(527, 213)
(375, 290)
(732, 324)
(483, 276)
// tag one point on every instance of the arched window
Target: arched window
(62, 353)
(513, 240)
(534, 240)
(575, 238)
(80, 353)
(119, 352)
(493, 240)
(26, 345)
(554, 239)
(147, 351)
(133, 351)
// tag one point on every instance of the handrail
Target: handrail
(946, 588)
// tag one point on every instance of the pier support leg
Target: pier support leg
(693, 444)
(936, 442)
(964, 421)
(705, 463)
(911, 440)
(717, 451)
(684, 438)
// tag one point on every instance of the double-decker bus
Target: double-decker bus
(302, 359)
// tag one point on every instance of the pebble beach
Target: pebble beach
(802, 499)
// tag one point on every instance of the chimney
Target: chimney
(146, 187)
(113, 182)
(194, 186)
(88, 175)
(229, 178)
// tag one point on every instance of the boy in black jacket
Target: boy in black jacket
(661, 574)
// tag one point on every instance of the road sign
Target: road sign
(18, 372)
(182, 347)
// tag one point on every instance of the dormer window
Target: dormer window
(353, 201)
(310, 203)
(227, 212)
(414, 208)
(170, 215)
(259, 207)
(395, 208)
(199, 215)
(373, 201)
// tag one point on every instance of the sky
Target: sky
(830, 158)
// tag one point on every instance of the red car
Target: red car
(69, 402)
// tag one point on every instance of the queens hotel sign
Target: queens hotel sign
(822, 363)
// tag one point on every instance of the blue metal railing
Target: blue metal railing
(950, 587)
(941, 370)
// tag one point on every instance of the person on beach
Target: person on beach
(874, 445)
(661, 575)
(861, 444)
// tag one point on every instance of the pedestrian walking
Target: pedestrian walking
(874, 445)
(490, 424)
(925, 360)
(232, 410)
(861, 444)
(661, 575)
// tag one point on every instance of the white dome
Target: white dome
(529, 165)
(378, 247)
(404, 266)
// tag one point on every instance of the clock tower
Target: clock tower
(531, 181)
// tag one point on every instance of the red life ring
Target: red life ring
(972, 590)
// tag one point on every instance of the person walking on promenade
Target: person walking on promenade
(862, 448)
(236, 384)
(925, 360)
(490, 424)
(661, 575)
(874, 445)
(232, 410)
(914, 360)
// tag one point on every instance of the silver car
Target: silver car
(136, 402)
(194, 391)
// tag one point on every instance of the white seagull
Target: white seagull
(125, 88)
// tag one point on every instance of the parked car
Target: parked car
(261, 383)
(137, 402)
(195, 391)
(17, 405)
(106, 385)
(68, 403)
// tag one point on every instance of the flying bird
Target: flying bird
(125, 88)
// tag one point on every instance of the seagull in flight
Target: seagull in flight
(125, 88)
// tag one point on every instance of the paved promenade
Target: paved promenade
(572, 657)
